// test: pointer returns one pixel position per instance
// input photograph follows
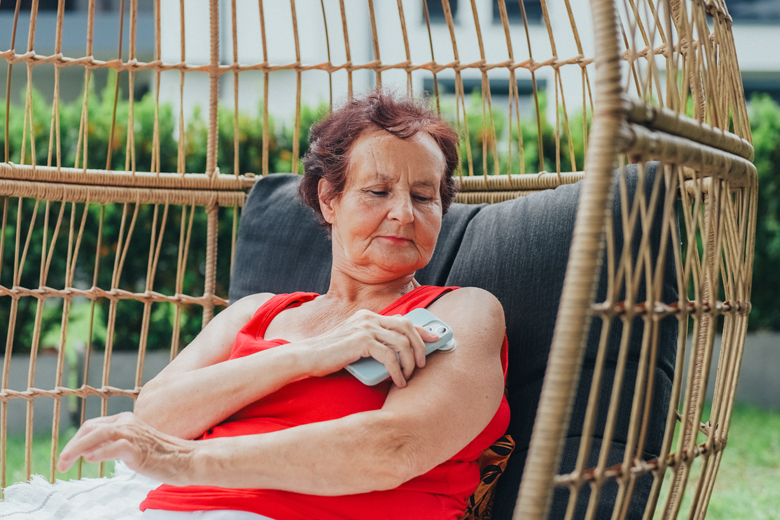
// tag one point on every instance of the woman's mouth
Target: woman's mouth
(396, 240)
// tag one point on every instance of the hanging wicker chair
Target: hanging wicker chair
(652, 62)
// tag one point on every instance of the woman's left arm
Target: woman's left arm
(445, 406)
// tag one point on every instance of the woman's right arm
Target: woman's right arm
(201, 387)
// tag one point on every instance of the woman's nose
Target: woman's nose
(401, 208)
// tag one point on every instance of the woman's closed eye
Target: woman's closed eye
(424, 199)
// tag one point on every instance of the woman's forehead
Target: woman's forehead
(381, 154)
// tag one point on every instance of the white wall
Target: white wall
(315, 87)
(750, 40)
(757, 46)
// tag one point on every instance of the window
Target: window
(754, 10)
(533, 10)
(43, 5)
(101, 6)
(499, 92)
(436, 11)
(761, 83)
(498, 87)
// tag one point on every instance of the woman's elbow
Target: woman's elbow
(142, 402)
(402, 459)
(145, 410)
(389, 475)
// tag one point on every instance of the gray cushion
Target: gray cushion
(280, 247)
(518, 251)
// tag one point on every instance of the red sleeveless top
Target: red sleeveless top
(438, 494)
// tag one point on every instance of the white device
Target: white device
(370, 372)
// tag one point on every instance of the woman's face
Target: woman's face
(386, 221)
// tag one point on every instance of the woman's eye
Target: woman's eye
(377, 193)
(420, 198)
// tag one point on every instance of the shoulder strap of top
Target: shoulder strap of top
(276, 304)
(419, 297)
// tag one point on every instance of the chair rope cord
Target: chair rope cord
(56, 203)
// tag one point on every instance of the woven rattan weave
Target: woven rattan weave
(659, 82)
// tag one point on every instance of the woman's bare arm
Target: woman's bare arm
(443, 408)
(200, 388)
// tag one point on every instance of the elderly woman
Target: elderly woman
(281, 430)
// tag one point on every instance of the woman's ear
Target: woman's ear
(324, 193)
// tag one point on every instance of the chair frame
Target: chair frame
(706, 164)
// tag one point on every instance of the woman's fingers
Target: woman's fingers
(402, 350)
(426, 335)
(114, 449)
(84, 445)
(392, 340)
(389, 358)
(399, 335)
(415, 335)
(140, 446)
(91, 434)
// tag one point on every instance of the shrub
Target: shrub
(765, 124)
(766, 131)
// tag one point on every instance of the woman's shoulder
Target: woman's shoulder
(476, 294)
(477, 320)
(247, 306)
(472, 302)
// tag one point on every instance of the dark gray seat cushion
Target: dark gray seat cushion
(280, 247)
(517, 250)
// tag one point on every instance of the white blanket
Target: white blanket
(115, 498)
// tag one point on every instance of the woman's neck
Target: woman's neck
(350, 291)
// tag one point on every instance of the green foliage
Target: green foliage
(100, 143)
(480, 139)
(41, 459)
(766, 131)
(765, 125)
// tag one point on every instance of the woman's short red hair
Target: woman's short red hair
(332, 138)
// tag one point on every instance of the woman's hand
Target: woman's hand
(144, 449)
(391, 340)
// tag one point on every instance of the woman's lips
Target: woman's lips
(396, 240)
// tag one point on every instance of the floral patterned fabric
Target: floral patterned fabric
(492, 463)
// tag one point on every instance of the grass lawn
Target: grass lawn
(41, 456)
(749, 472)
(748, 483)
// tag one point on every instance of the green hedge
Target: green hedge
(765, 124)
(766, 128)
(100, 114)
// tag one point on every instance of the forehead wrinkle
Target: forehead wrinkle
(425, 184)
(383, 177)
(373, 160)
(377, 173)
(362, 157)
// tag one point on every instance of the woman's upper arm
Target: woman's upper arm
(215, 342)
(452, 399)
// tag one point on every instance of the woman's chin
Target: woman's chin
(385, 272)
